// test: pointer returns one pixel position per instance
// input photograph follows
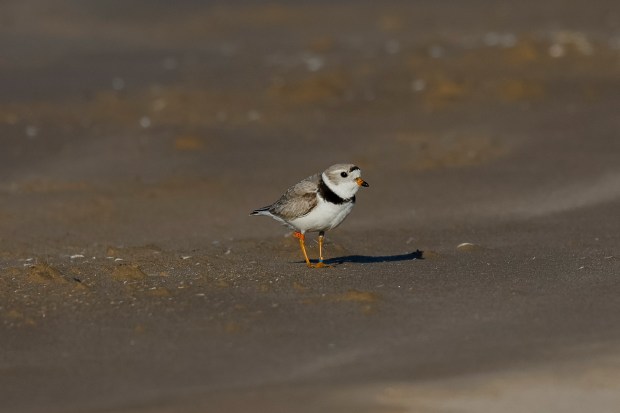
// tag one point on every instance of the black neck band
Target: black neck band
(330, 196)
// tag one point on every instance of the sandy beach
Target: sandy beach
(479, 272)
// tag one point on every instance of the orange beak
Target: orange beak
(361, 182)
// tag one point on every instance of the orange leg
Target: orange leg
(321, 263)
(302, 244)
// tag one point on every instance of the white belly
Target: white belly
(323, 217)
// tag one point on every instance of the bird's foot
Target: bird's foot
(321, 264)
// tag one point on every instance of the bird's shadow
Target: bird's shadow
(369, 259)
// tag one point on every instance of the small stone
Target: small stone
(467, 247)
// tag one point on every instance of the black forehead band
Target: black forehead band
(353, 168)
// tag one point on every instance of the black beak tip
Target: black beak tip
(365, 184)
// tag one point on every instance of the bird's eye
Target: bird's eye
(344, 174)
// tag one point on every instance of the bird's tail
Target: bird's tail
(261, 211)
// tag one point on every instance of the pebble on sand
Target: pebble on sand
(467, 247)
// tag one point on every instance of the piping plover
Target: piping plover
(317, 204)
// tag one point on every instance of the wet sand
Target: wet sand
(136, 140)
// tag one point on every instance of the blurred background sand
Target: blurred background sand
(136, 137)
